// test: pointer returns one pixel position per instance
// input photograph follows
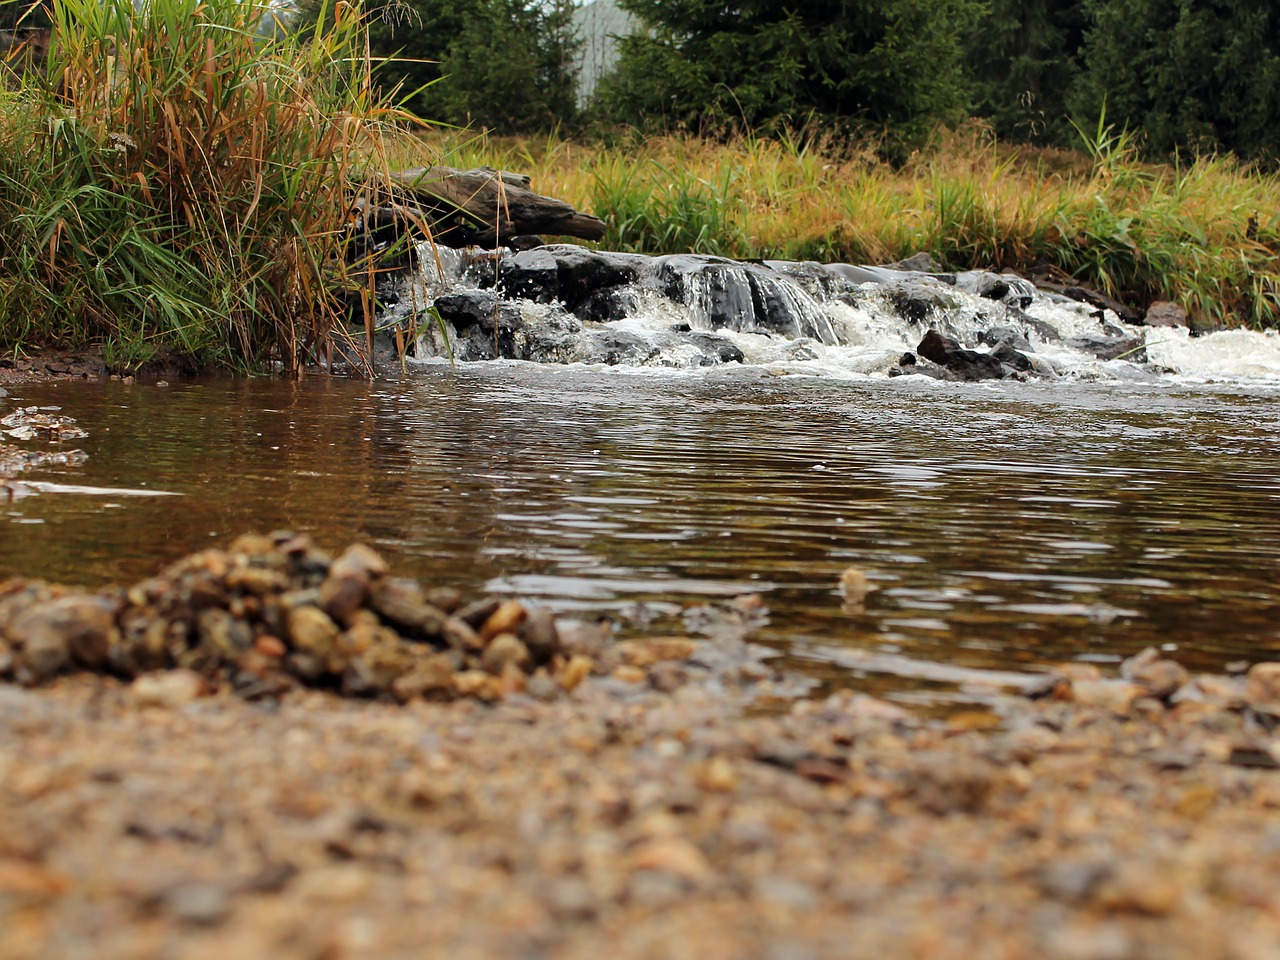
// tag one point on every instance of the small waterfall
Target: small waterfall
(567, 304)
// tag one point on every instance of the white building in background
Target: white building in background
(598, 23)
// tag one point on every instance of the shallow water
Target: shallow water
(1005, 525)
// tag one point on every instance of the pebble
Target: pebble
(1262, 688)
(198, 904)
(169, 688)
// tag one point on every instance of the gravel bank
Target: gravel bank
(624, 821)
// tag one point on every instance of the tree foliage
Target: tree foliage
(1186, 73)
(505, 65)
(878, 63)
(1023, 57)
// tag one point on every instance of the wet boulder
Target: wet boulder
(1003, 333)
(565, 273)
(53, 635)
(486, 328)
(917, 301)
(1111, 348)
(965, 364)
(1001, 287)
(1162, 313)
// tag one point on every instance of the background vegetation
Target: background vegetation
(178, 175)
(181, 174)
(1205, 233)
(1182, 75)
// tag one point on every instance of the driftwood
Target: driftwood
(481, 207)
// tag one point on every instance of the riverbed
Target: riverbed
(1000, 526)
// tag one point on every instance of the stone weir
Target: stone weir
(568, 304)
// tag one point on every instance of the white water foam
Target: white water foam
(864, 335)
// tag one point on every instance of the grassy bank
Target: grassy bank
(176, 176)
(1206, 233)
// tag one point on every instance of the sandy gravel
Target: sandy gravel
(625, 822)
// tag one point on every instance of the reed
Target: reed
(179, 175)
(1204, 232)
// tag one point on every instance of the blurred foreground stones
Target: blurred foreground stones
(270, 752)
(272, 613)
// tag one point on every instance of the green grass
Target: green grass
(1205, 232)
(176, 178)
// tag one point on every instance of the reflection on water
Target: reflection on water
(1004, 525)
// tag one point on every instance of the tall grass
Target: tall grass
(1205, 232)
(177, 175)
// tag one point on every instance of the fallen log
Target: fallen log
(481, 207)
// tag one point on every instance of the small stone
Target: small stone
(476, 683)
(718, 776)
(584, 638)
(1262, 688)
(199, 904)
(260, 581)
(269, 646)
(854, 586)
(575, 671)
(475, 614)
(311, 631)
(169, 689)
(346, 587)
(540, 635)
(429, 677)
(1163, 313)
(646, 653)
(404, 603)
(1117, 696)
(507, 618)
(48, 637)
(943, 784)
(504, 649)
(673, 855)
(1160, 677)
(460, 635)
(630, 674)
(1139, 887)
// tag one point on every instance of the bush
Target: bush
(178, 175)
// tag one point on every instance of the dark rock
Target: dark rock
(1003, 288)
(716, 349)
(1111, 348)
(969, 364)
(1159, 676)
(613, 347)
(487, 328)
(917, 301)
(403, 603)
(1094, 299)
(1006, 354)
(1162, 313)
(919, 263)
(50, 637)
(1012, 336)
(1044, 331)
(718, 291)
(530, 275)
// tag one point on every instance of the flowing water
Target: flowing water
(1004, 525)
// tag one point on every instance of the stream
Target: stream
(1003, 525)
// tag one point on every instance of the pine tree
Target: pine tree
(1186, 74)
(504, 65)
(707, 64)
(1024, 56)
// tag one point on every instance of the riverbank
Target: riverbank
(651, 798)
(629, 821)
(1202, 233)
